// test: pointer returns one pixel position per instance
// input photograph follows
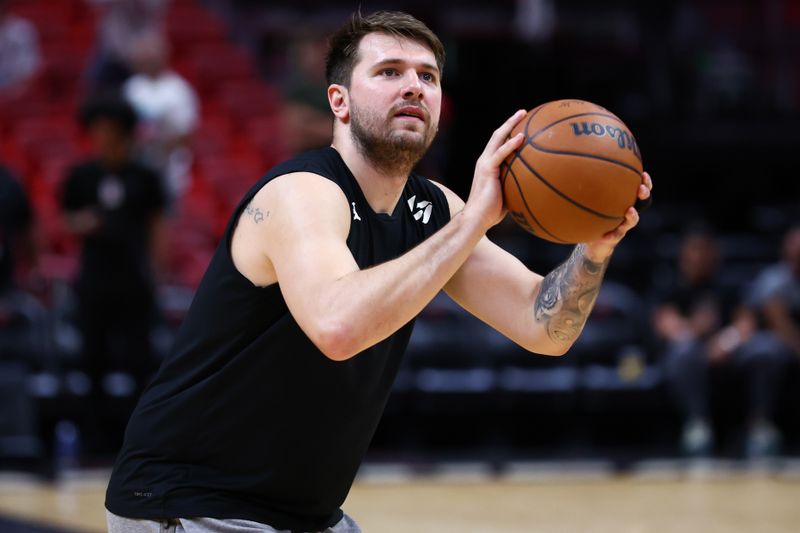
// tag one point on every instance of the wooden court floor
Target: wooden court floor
(731, 503)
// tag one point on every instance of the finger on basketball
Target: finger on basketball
(505, 150)
(631, 218)
(501, 134)
(648, 181)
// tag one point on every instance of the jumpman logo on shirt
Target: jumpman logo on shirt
(355, 215)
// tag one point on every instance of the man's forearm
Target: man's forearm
(377, 301)
(567, 295)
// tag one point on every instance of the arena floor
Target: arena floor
(655, 498)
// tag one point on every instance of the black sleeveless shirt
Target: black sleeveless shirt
(246, 417)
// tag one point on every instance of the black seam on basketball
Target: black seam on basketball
(590, 156)
(528, 122)
(527, 208)
(516, 152)
(565, 197)
(515, 155)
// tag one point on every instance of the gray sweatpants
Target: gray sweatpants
(119, 524)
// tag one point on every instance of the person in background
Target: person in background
(702, 324)
(774, 299)
(20, 59)
(114, 205)
(167, 107)
(120, 23)
(306, 112)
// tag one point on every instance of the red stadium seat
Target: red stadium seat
(213, 135)
(40, 137)
(209, 65)
(266, 133)
(248, 98)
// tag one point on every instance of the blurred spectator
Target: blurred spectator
(701, 324)
(114, 205)
(535, 20)
(168, 112)
(15, 228)
(120, 23)
(19, 53)
(775, 297)
(307, 115)
(777, 292)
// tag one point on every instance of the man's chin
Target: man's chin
(409, 139)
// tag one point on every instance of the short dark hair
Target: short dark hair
(343, 45)
(111, 107)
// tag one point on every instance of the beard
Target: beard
(388, 150)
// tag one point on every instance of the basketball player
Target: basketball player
(259, 418)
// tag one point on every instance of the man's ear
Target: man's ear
(339, 100)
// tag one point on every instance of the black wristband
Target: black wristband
(643, 205)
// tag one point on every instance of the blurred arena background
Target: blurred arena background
(478, 435)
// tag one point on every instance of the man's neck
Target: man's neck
(382, 190)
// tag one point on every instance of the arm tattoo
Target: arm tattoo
(567, 295)
(256, 213)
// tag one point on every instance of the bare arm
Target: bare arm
(669, 323)
(780, 321)
(341, 308)
(566, 297)
(295, 231)
(159, 243)
(542, 314)
(83, 222)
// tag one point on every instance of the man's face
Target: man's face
(108, 138)
(699, 258)
(395, 99)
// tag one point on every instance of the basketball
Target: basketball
(575, 175)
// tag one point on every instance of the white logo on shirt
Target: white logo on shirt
(425, 209)
(355, 215)
(111, 192)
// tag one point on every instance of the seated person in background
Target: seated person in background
(775, 300)
(114, 205)
(700, 323)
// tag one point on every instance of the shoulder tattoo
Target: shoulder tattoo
(256, 213)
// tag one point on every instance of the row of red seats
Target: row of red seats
(238, 138)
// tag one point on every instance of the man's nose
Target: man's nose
(412, 87)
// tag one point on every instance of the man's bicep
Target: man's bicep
(306, 239)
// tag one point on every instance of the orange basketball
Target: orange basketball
(576, 173)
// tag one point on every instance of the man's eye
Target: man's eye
(427, 76)
(389, 72)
